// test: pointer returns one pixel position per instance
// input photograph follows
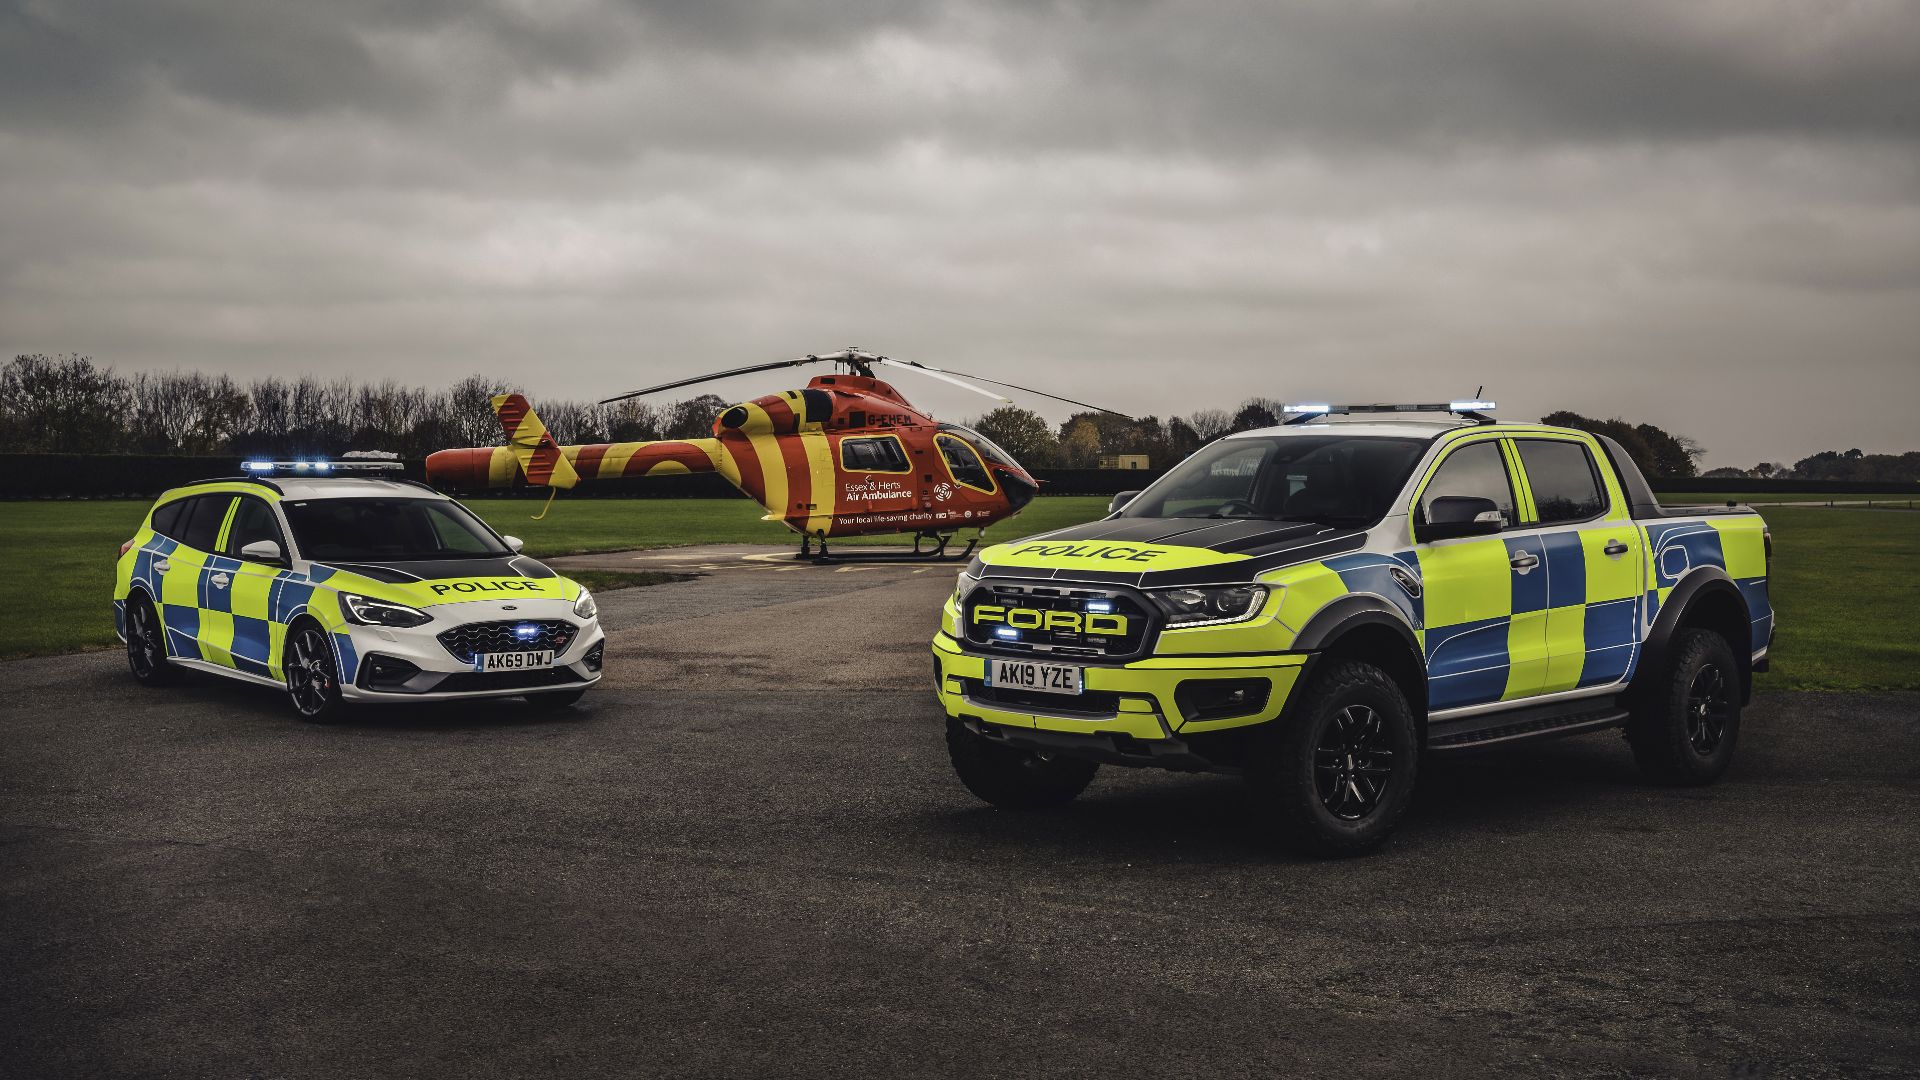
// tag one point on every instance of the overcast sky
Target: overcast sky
(1703, 214)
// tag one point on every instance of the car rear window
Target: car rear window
(1565, 486)
(200, 526)
(166, 520)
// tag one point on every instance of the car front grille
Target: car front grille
(516, 635)
(1059, 638)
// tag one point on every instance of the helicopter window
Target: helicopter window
(882, 453)
(987, 447)
(963, 464)
(1345, 480)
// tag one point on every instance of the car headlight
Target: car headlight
(963, 585)
(1210, 605)
(367, 611)
(585, 607)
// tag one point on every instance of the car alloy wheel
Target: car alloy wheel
(1708, 705)
(1353, 763)
(311, 680)
(145, 650)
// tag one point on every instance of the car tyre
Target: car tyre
(147, 644)
(555, 701)
(1685, 728)
(312, 673)
(1012, 778)
(1335, 775)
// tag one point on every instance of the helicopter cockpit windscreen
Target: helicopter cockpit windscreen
(1347, 480)
(987, 447)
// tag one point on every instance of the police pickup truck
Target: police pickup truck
(1318, 606)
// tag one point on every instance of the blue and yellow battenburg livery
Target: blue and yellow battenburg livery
(223, 611)
(1563, 604)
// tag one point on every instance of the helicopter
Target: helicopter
(848, 455)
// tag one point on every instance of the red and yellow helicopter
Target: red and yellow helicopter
(846, 456)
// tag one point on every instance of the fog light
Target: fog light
(593, 657)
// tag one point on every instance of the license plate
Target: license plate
(1028, 675)
(513, 661)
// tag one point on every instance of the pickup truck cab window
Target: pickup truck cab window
(1476, 469)
(1560, 474)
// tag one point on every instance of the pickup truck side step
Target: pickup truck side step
(1544, 721)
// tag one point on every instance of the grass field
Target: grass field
(1844, 580)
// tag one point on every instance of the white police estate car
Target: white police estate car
(343, 586)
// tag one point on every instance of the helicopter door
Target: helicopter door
(876, 473)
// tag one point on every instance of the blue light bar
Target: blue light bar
(1307, 410)
(526, 631)
(1007, 633)
(319, 466)
(1100, 605)
(1470, 406)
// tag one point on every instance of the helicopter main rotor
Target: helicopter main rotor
(859, 362)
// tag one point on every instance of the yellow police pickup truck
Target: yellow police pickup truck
(342, 586)
(1319, 605)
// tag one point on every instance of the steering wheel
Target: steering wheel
(1245, 509)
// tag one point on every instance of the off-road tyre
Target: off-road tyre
(1686, 723)
(312, 673)
(1334, 776)
(1015, 779)
(147, 644)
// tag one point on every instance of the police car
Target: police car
(344, 585)
(1319, 605)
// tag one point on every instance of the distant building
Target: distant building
(1124, 461)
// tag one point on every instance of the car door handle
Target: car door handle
(1524, 561)
(163, 565)
(221, 581)
(1615, 548)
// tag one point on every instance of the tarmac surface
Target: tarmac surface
(744, 855)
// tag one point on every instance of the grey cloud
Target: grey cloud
(1628, 207)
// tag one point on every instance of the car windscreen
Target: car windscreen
(380, 530)
(1329, 478)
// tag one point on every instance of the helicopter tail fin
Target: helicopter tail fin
(532, 444)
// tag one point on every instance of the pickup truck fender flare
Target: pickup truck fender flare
(1372, 614)
(1703, 584)
(1351, 612)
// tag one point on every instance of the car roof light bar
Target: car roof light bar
(317, 468)
(1472, 410)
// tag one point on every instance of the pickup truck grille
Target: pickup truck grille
(516, 635)
(1057, 620)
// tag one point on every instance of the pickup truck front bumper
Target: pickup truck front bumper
(1157, 699)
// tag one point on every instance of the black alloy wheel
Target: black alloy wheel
(147, 644)
(1334, 775)
(1353, 763)
(313, 679)
(1709, 703)
(1686, 718)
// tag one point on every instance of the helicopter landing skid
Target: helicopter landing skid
(938, 553)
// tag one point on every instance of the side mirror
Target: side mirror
(1121, 500)
(263, 551)
(516, 543)
(1451, 516)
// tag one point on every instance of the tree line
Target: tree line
(69, 404)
